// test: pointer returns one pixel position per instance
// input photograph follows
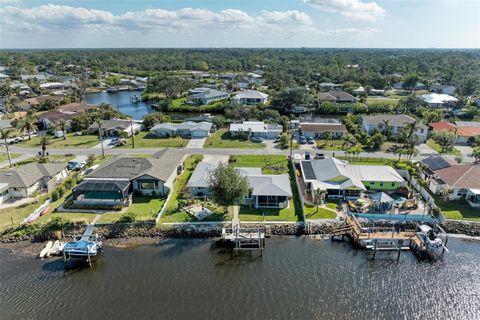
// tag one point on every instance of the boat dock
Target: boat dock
(387, 238)
(245, 239)
(84, 247)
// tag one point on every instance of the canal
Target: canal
(297, 278)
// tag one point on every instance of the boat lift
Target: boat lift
(87, 246)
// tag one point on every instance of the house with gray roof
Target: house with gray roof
(396, 122)
(31, 178)
(187, 129)
(114, 127)
(201, 96)
(250, 97)
(115, 182)
(266, 190)
(336, 96)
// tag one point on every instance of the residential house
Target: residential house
(114, 127)
(255, 129)
(31, 178)
(115, 182)
(53, 86)
(76, 107)
(27, 104)
(443, 88)
(418, 86)
(187, 129)
(343, 180)
(376, 92)
(396, 122)
(266, 190)
(329, 85)
(201, 96)
(48, 119)
(466, 130)
(40, 77)
(316, 130)
(227, 76)
(250, 97)
(439, 100)
(336, 97)
(462, 181)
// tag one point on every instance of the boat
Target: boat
(112, 90)
(45, 250)
(44, 211)
(56, 249)
(87, 246)
(433, 241)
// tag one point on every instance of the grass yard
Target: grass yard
(374, 100)
(335, 144)
(69, 216)
(17, 214)
(247, 213)
(368, 161)
(458, 210)
(143, 140)
(312, 213)
(72, 141)
(4, 156)
(144, 209)
(270, 164)
(435, 146)
(222, 139)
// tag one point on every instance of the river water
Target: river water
(297, 278)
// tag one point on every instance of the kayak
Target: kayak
(46, 250)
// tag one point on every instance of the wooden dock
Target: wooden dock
(245, 239)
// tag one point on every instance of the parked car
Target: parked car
(71, 165)
(302, 140)
(277, 138)
(256, 139)
(311, 140)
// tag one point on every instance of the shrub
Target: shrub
(61, 190)
(55, 196)
(127, 217)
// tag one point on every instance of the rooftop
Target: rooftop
(395, 120)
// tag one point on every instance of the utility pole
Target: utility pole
(131, 133)
(291, 144)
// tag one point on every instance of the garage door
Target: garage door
(199, 134)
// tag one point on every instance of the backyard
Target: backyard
(312, 213)
(270, 164)
(458, 210)
(86, 141)
(143, 140)
(142, 209)
(247, 213)
(222, 139)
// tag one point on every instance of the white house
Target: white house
(187, 129)
(256, 129)
(316, 130)
(27, 180)
(396, 122)
(443, 88)
(250, 97)
(439, 100)
(201, 96)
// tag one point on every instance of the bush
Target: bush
(61, 190)
(55, 196)
(127, 217)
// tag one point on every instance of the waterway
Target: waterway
(297, 278)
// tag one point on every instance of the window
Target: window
(372, 183)
(147, 185)
(462, 192)
(381, 184)
(393, 184)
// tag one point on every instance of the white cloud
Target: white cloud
(351, 31)
(46, 18)
(350, 9)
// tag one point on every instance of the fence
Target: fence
(419, 188)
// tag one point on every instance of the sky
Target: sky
(240, 23)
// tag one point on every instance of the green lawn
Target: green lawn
(311, 212)
(143, 140)
(335, 144)
(69, 216)
(17, 214)
(270, 164)
(458, 210)
(368, 161)
(4, 156)
(144, 209)
(435, 146)
(373, 100)
(248, 213)
(222, 139)
(72, 141)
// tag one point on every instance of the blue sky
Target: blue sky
(240, 23)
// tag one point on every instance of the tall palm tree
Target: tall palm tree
(44, 142)
(387, 130)
(28, 124)
(319, 196)
(5, 134)
(62, 125)
(98, 121)
(411, 137)
(327, 135)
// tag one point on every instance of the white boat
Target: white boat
(82, 248)
(45, 250)
(56, 249)
(433, 242)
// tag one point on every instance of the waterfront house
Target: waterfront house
(439, 100)
(250, 97)
(255, 129)
(462, 181)
(40, 77)
(115, 182)
(343, 180)
(113, 127)
(266, 190)
(27, 104)
(31, 178)
(201, 96)
(76, 107)
(396, 122)
(317, 130)
(336, 97)
(187, 129)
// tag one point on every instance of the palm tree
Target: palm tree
(28, 124)
(98, 121)
(5, 135)
(327, 135)
(411, 137)
(319, 196)
(62, 125)
(387, 130)
(44, 142)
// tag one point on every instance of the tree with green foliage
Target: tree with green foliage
(5, 134)
(432, 116)
(45, 140)
(476, 154)
(410, 103)
(151, 119)
(90, 160)
(410, 81)
(28, 124)
(228, 186)
(62, 125)
(287, 98)
(377, 140)
(446, 139)
(219, 121)
(327, 135)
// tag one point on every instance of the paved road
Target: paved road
(219, 151)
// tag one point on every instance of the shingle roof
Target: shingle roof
(188, 125)
(112, 124)
(29, 174)
(55, 116)
(322, 127)
(270, 185)
(250, 94)
(207, 93)
(396, 120)
(461, 176)
(334, 95)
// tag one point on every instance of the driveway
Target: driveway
(214, 159)
(196, 143)
(464, 150)
(107, 144)
(424, 149)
